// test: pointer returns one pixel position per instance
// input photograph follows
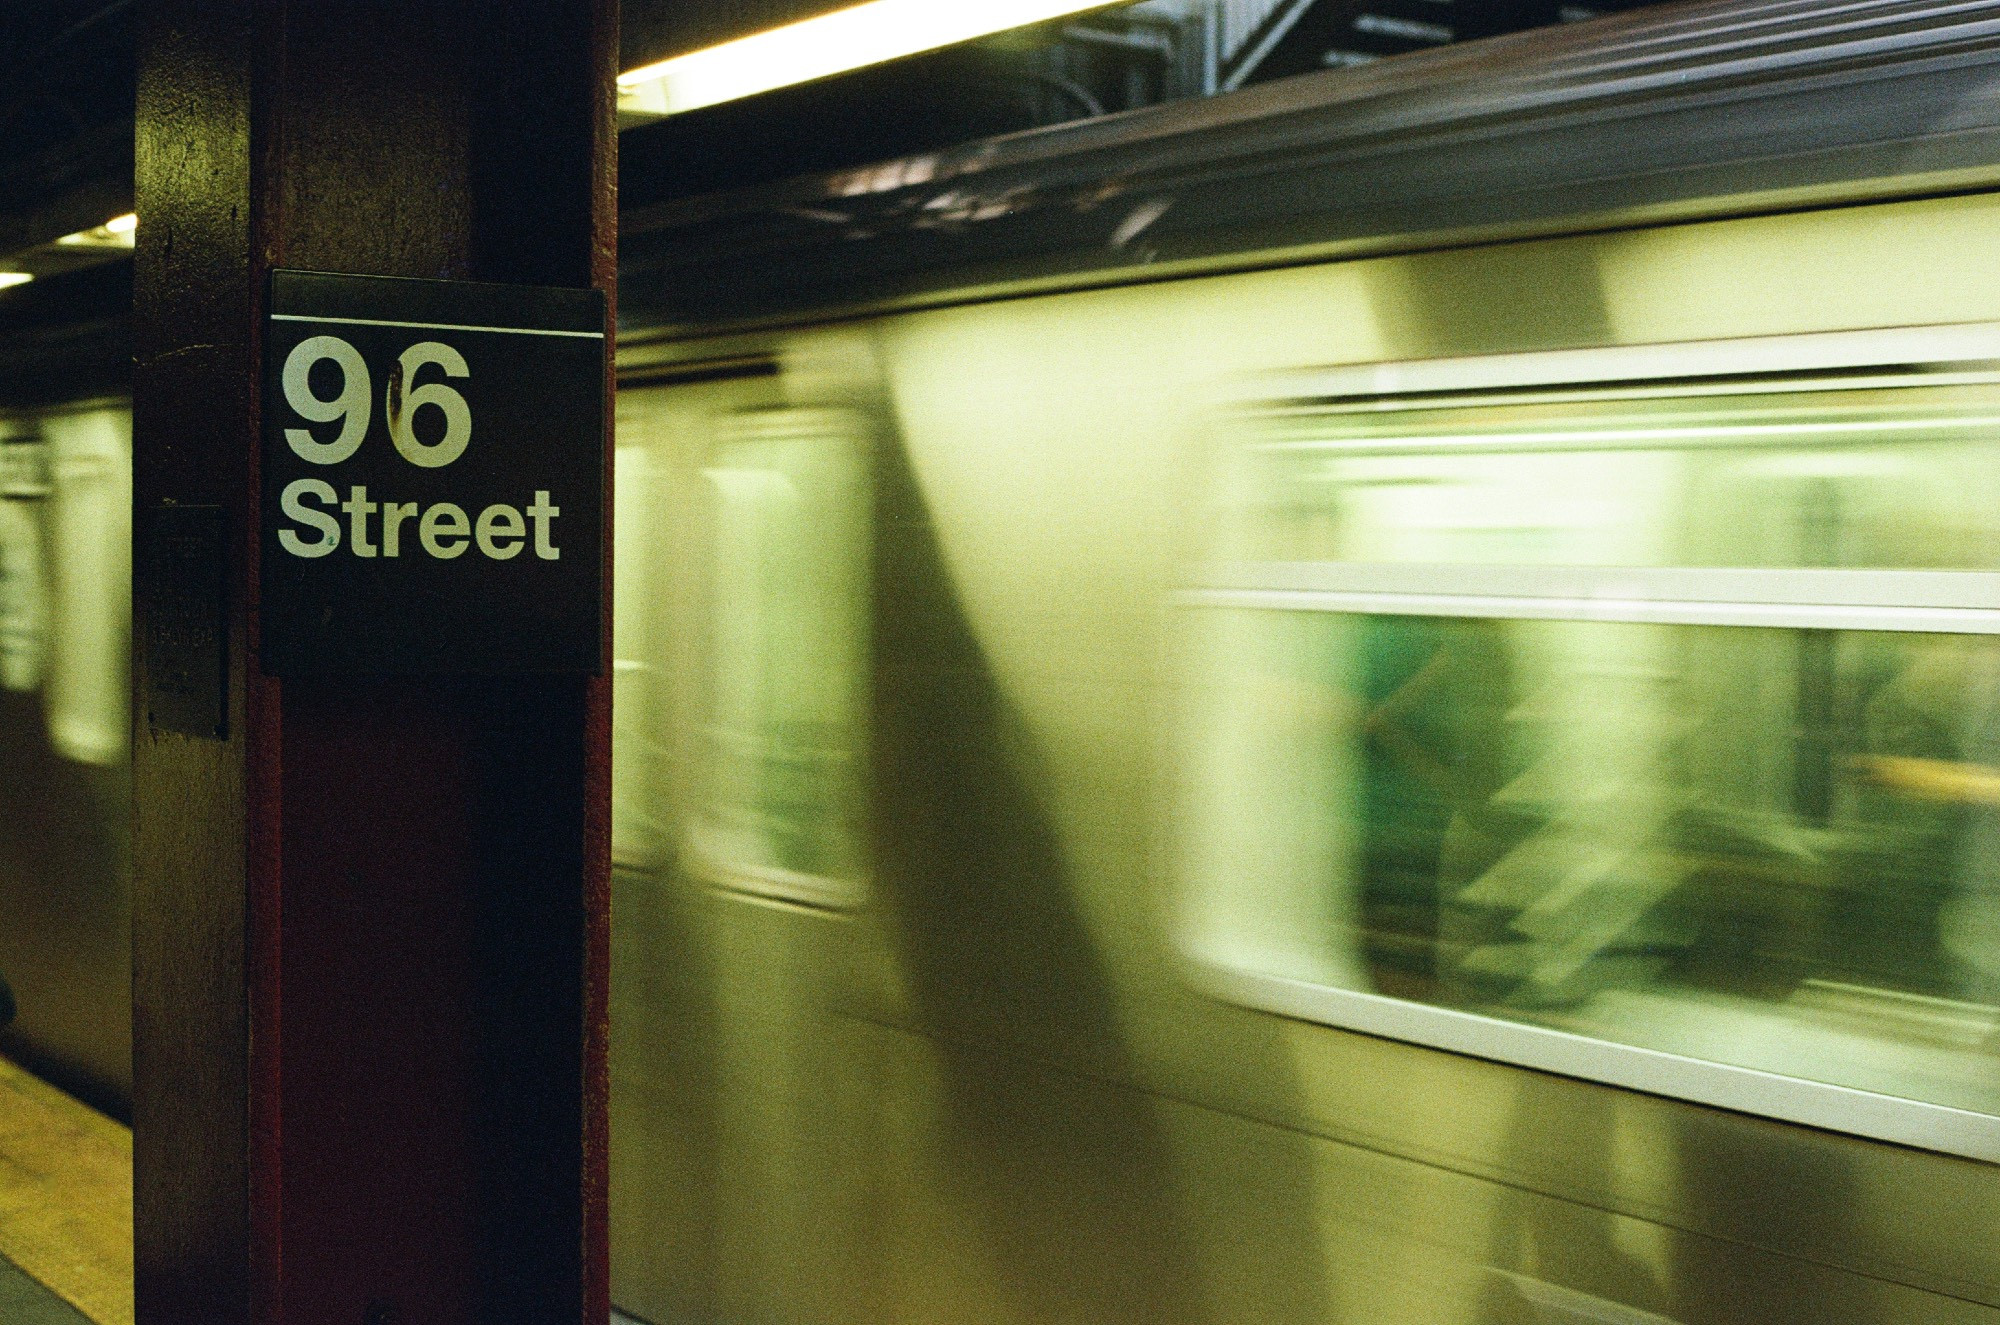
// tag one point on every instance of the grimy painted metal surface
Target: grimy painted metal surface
(433, 477)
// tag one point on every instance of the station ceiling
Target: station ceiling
(66, 84)
(68, 73)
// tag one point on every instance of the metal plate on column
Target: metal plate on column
(183, 551)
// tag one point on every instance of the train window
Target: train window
(641, 732)
(1632, 714)
(24, 486)
(1863, 467)
(65, 571)
(783, 515)
(89, 533)
(741, 635)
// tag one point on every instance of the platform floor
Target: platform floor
(65, 1208)
(23, 1301)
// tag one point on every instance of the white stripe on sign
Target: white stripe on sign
(431, 326)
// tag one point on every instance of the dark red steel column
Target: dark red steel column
(370, 952)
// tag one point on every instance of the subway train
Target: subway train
(1374, 700)
(65, 785)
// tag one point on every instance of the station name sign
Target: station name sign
(433, 477)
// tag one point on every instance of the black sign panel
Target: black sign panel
(433, 482)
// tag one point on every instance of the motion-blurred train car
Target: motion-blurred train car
(65, 811)
(1373, 701)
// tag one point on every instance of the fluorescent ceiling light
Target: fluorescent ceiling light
(833, 43)
(118, 232)
(9, 278)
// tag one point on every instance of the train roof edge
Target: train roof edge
(1684, 112)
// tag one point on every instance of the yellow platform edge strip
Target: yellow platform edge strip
(66, 1196)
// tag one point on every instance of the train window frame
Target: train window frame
(845, 433)
(1963, 602)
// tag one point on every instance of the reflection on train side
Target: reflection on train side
(1664, 714)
